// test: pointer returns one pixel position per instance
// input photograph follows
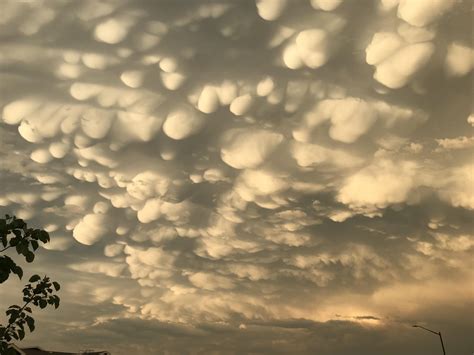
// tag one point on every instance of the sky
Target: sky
(243, 177)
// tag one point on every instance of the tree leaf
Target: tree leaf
(21, 333)
(42, 303)
(31, 323)
(17, 233)
(3, 276)
(11, 311)
(43, 236)
(18, 271)
(56, 285)
(34, 278)
(3, 225)
(18, 223)
(29, 256)
(34, 244)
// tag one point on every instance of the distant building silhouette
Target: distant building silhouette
(39, 351)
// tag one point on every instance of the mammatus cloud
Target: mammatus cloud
(297, 173)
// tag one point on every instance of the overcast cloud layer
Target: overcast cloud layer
(241, 177)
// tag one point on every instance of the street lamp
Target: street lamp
(432, 331)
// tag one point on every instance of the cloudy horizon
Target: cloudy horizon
(243, 177)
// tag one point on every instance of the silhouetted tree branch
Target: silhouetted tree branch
(39, 292)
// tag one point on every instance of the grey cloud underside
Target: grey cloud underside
(241, 177)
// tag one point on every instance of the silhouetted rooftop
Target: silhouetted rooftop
(39, 351)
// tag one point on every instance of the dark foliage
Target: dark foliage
(39, 292)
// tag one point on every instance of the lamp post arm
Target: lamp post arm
(432, 331)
